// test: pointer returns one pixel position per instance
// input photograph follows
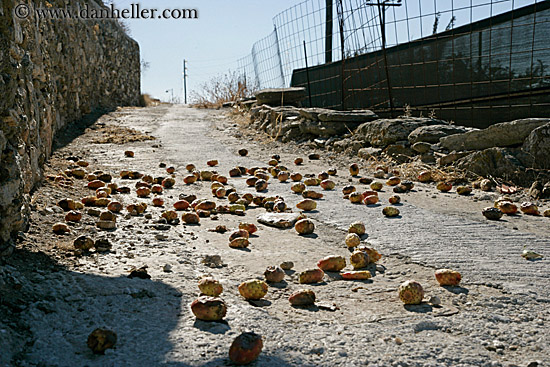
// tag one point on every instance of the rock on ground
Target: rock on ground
(384, 132)
(537, 146)
(433, 133)
(499, 135)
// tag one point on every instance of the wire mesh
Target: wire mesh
(476, 62)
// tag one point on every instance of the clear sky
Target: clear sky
(224, 32)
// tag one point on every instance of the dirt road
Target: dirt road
(498, 317)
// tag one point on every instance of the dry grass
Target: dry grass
(220, 89)
(145, 100)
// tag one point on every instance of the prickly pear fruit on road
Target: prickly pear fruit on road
(101, 339)
(354, 169)
(355, 197)
(393, 181)
(210, 287)
(304, 227)
(411, 292)
(507, 207)
(287, 265)
(191, 218)
(425, 176)
(310, 194)
(444, 186)
(463, 190)
(307, 205)
(246, 348)
(253, 289)
(249, 227)
(238, 233)
(390, 211)
(302, 297)
(376, 186)
(492, 213)
(356, 275)
(348, 189)
(371, 200)
(529, 208)
(274, 274)
(298, 161)
(61, 228)
(209, 308)
(311, 276)
(239, 242)
(447, 277)
(357, 227)
(328, 185)
(374, 255)
(332, 263)
(395, 199)
(298, 188)
(353, 240)
(359, 259)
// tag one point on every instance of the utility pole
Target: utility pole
(382, 6)
(328, 31)
(184, 81)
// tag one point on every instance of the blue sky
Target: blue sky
(224, 32)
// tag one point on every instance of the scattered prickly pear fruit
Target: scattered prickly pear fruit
(83, 243)
(311, 276)
(393, 181)
(371, 200)
(328, 185)
(210, 287)
(209, 308)
(356, 275)
(296, 177)
(101, 339)
(355, 197)
(67, 204)
(529, 208)
(168, 183)
(253, 289)
(170, 215)
(181, 205)
(354, 169)
(357, 227)
(492, 213)
(212, 163)
(239, 233)
(447, 277)
(304, 227)
(143, 192)
(274, 274)
(310, 194)
(287, 265)
(379, 173)
(444, 186)
(302, 297)
(311, 182)
(359, 259)
(190, 179)
(249, 227)
(307, 205)
(298, 161)
(298, 188)
(425, 176)
(353, 240)
(395, 199)
(158, 201)
(246, 348)
(191, 218)
(260, 185)
(486, 185)
(283, 176)
(376, 186)
(115, 207)
(348, 189)
(73, 216)
(61, 228)
(332, 263)
(464, 190)
(374, 255)
(243, 152)
(390, 211)
(547, 213)
(411, 292)
(239, 242)
(507, 207)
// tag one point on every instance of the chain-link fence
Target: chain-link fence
(476, 62)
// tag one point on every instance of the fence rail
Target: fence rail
(476, 62)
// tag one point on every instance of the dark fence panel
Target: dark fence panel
(492, 70)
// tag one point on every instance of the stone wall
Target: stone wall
(52, 72)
